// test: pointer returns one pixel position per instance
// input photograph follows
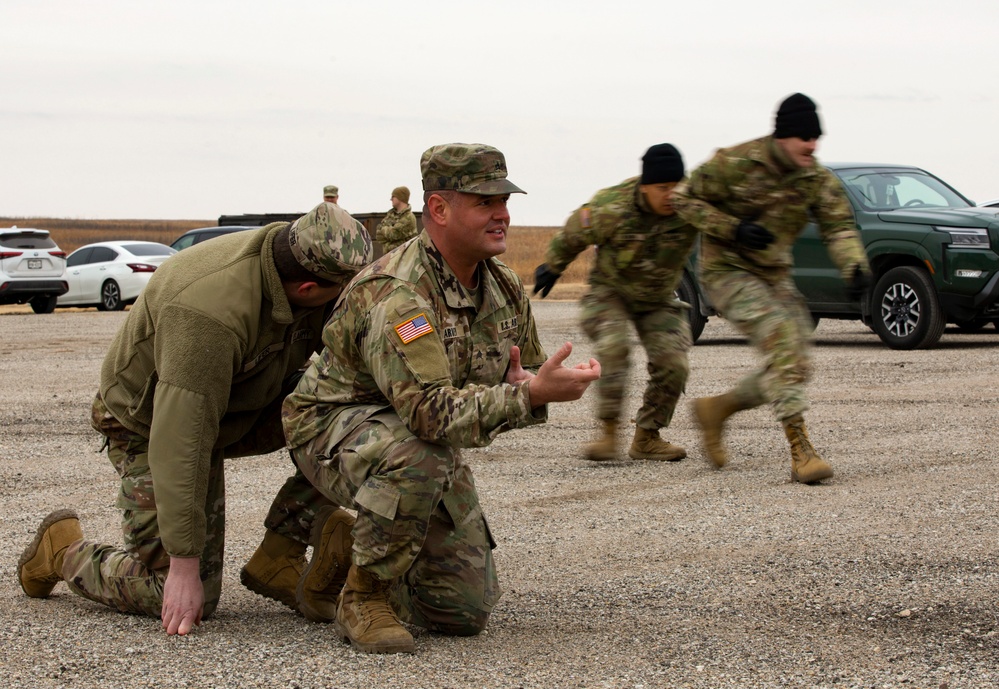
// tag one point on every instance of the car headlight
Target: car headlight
(967, 237)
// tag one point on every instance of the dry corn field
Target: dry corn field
(526, 245)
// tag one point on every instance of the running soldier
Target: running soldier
(751, 202)
(642, 246)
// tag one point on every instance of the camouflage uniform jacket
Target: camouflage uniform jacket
(640, 254)
(395, 228)
(209, 342)
(407, 336)
(753, 181)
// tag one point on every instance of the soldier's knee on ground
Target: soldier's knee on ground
(462, 621)
(464, 627)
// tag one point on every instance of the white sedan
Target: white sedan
(110, 275)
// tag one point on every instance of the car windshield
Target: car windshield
(149, 249)
(887, 190)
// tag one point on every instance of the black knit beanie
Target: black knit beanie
(796, 116)
(662, 163)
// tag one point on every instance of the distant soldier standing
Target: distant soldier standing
(751, 202)
(331, 193)
(399, 224)
(642, 246)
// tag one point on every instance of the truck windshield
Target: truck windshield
(881, 190)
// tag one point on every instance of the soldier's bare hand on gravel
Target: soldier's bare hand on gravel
(183, 596)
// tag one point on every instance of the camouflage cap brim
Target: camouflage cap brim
(493, 188)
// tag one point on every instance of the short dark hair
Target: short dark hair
(448, 195)
(288, 267)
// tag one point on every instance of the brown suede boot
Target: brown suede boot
(365, 617)
(39, 568)
(275, 568)
(710, 414)
(604, 448)
(806, 465)
(320, 585)
(648, 445)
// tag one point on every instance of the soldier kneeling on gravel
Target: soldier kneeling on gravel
(196, 375)
(432, 348)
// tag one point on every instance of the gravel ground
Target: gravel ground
(624, 574)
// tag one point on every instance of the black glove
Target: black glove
(544, 279)
(753, 236)
(859, 283)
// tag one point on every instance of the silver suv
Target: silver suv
(32, 269)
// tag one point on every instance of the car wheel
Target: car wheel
(44, 303)
(907, 313)
(687, 291)
(110, 297)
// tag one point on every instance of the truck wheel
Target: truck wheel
(906, 311)
(45, 303)
(110, 297)
(687, 291)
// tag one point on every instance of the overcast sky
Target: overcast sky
(192, 109)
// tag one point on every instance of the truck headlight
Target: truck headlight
(967, 237)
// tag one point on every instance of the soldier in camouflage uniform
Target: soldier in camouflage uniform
(197, 374)
(331, 193)
(399, 224)
(751, 202)
(641, 249)
(431, 349)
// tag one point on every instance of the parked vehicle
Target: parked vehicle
(201, 234)
(934, 255)
(994, 203)
(32, 268)
(110, 275)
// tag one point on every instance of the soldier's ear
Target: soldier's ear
(437, 207)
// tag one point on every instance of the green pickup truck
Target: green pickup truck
(932, 251)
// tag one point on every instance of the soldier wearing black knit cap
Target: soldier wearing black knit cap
(642, 246)
(751, 202)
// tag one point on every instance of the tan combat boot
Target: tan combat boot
(40, 567)
(365, 617)
(603, 449)
(648, 445)
(806, 465)
(710, 414)
(275, 568)
(320, 585)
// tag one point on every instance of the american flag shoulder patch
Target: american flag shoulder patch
(415, 327)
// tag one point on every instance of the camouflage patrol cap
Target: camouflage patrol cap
(468, 168)
(329, 243)
(331, 190)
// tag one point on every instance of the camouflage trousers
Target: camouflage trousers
(130, 578)
(419, 521)
(664, 333)
(777, 322)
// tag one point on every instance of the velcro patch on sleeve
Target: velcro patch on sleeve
(413, 328)
(585, 220)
